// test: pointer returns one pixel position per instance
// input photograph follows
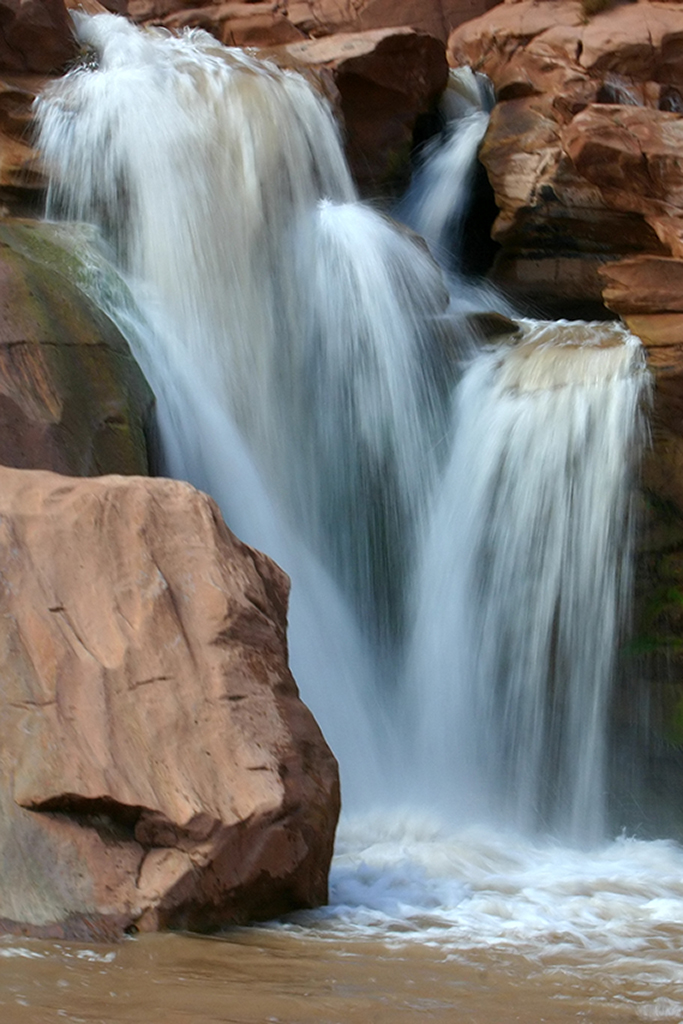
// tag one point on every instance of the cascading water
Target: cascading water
(517, 617)
(246, 249)
(284, 311)
(436, 201)
(459, 549)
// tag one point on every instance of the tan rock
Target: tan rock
(583, 150)
(656, 330)
(90, 6)
(553, 285)
(632, 154)
(238, 24)
(154, 754)
(644, 284)
(436, 17)
(22, 181)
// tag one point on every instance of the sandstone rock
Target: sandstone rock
(328, 17)
(633, 155)
(551, 285)
(22, 181)
(644, 284)
(95, 7)
(436, 17)
(72, 399)
(583, 148)
(386, 78)
(35, 35)
(238, 24)
(662, 334)
(157, 767)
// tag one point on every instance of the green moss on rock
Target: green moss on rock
(72, 397)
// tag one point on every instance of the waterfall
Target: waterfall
(436, 201)
(517, 618)
(455, 524)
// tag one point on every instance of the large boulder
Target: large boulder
(157, 767)
(72, 398)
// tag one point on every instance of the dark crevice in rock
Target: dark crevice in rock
(113, 821)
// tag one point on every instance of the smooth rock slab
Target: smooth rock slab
(157, 767)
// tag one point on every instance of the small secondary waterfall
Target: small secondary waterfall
(518, 616)
(436, 200)
(459, 550)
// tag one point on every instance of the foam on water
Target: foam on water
(612, 916)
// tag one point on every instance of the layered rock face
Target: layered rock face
(582, 148)
(584, 156)
(583, 153)
(155, 758)
(266, 22)
(35, 41)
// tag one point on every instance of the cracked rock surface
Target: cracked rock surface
(157, 767)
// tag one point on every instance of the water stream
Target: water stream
(455, 517)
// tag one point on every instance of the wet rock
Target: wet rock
(72, 399)
(644, 284)
(155, 757)
(22, 181)
(491, 325)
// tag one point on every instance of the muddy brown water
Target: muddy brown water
(270, 976)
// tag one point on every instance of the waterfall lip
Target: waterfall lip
(548, 355)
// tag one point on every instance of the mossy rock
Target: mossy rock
(72, 397)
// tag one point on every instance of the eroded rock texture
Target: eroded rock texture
(157, 767)
(583, 146)
(268, 20)
(35, 41)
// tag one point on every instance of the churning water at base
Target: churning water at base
(456, 524)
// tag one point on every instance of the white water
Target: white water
(518, 617)
(295, 341)
(436, 202)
